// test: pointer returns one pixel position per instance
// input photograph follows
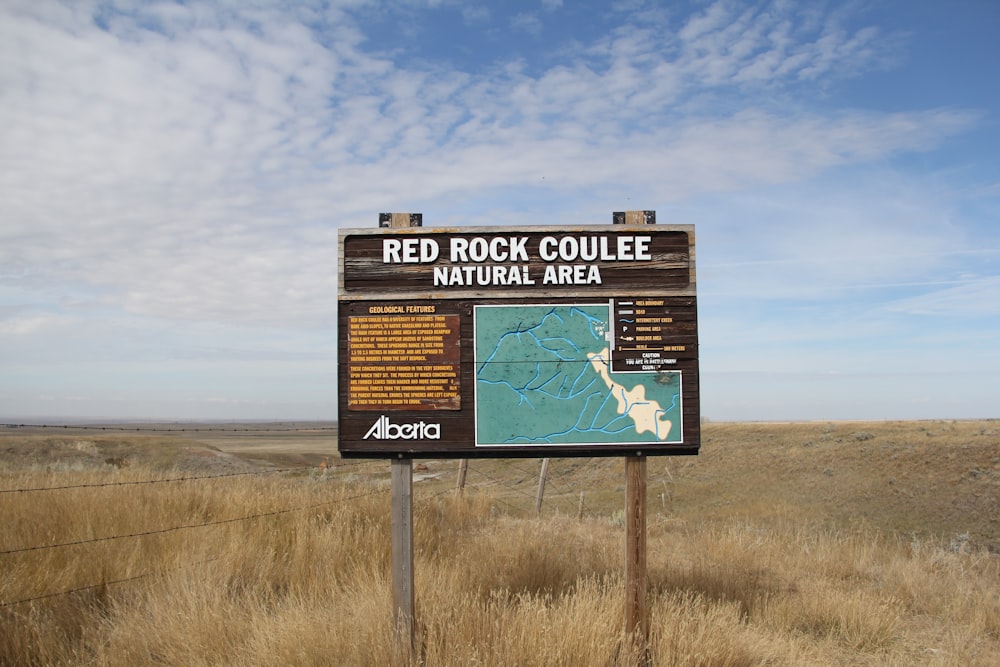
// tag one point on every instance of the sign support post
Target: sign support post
(402, 510)
(636, 618)
(402, 551)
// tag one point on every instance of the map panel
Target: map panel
(543, 377)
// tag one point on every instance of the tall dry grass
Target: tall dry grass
(310, 586)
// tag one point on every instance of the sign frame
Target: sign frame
(408, 300)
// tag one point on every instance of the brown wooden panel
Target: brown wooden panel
(597, 260)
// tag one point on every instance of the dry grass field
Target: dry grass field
(781, 544)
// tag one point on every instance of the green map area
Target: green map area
(543, 377)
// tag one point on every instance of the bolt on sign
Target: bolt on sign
(518, 342)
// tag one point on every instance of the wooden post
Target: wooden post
(402, 510)
(402, 552)
(397, 220)
(463, 470)
(541, 485)
(636, 618)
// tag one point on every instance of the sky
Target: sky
(173, 176)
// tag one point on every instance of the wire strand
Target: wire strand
(161, 531)
(174, 429)
(105, 583)
(154, 481)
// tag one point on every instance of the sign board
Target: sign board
(518, 342)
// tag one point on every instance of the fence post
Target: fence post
(541, 485)
(463, 470)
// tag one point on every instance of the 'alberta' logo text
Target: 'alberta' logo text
(383, 429)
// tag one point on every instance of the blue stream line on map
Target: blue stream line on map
(529, 331)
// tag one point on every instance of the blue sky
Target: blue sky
(173, 175)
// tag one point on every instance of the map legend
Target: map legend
(646, 335)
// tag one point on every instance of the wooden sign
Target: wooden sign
(511, 342)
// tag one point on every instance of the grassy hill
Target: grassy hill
(928, 478)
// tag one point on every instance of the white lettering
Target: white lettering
(625, 247)
(518, 249)
(642, 248)
(569, 249)
(512, 249)
(588, 248)
(383, 429)
(606, 253)
(459, 250)
(483, 276)
(479, 250)
(409, 251)
(577, 274)
(497, 249)
(591, 248)
(496, 254)
(390, 251)
(547, 249)
(429, 251)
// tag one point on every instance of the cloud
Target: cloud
(527, 22)
(172, 177)
(195, 163)
(31, 324)
(977, 298)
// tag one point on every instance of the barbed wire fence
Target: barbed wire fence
(510, 483)
(170, 428)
